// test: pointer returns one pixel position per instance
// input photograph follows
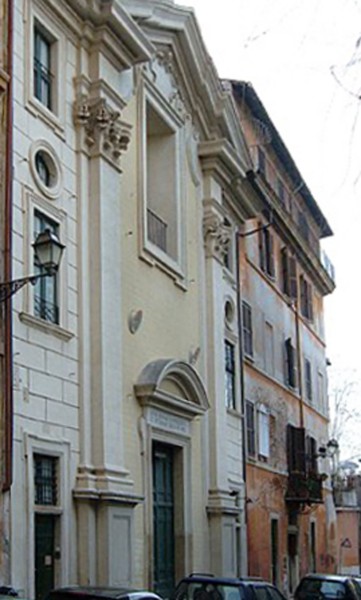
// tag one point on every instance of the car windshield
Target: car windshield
(202, 590)
(317, 588)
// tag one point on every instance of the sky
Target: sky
(303, 57)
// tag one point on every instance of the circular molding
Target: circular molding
(229, 313)
(46, 169)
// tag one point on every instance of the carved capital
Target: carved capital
(217, 236)
(104, 132)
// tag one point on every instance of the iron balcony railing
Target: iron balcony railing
(157, 230)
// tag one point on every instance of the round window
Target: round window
(46, 169)
(229, 313)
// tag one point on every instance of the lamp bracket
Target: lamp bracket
(9, 288)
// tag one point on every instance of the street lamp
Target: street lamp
(48, 251)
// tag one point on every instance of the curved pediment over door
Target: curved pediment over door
(172, 385)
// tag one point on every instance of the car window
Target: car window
(260, 591)
(321, 588)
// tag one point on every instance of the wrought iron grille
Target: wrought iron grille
(157, 230)
(45, 480)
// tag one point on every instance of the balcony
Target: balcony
(304, 488)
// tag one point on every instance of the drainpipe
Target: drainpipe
(8, 409)
(299, 361)
(242, 386)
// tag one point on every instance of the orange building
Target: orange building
(291, 520)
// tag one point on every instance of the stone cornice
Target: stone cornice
(132, 46)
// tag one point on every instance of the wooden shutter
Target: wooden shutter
(290, 363)
(296, 450)
(285, 271)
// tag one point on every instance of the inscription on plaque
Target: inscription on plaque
(164, 420)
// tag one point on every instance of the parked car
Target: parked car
(318, 586)
(208, 587)
(100, 593)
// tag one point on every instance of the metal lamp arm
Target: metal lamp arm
(9, 288)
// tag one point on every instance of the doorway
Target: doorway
(163, 518)
(44, 554)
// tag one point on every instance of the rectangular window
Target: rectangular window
(230, 374)
(291, 364)
(251, 432)
(262, 162)
(308, 380)
(303, 226)
(247, 329)
(161, 184)
(281, 191)
(266, 251)
(45, 480)
(45, 290)
(289, 274)
(311, 455)
(263, 433)
(306, 298)
(43, 77)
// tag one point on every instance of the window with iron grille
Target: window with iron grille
(308, 380)
(251, 432)
(230, 375)
(247, 329)
(43, 77)
(45, 480)
(46, 288)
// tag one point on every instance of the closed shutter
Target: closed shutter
(296, 450)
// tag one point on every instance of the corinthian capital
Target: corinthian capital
(104, 132)
(217, 236)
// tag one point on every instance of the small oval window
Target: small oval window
(45, 168)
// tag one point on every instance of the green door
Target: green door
(44, 554)
(163, 515)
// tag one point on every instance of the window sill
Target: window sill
(155, 257)
(36, 108)
(46, 326)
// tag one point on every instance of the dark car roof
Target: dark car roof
(102, 592)
(328, 576)
(222, 580)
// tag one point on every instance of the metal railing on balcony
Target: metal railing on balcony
(157, 230)
(304, 488)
